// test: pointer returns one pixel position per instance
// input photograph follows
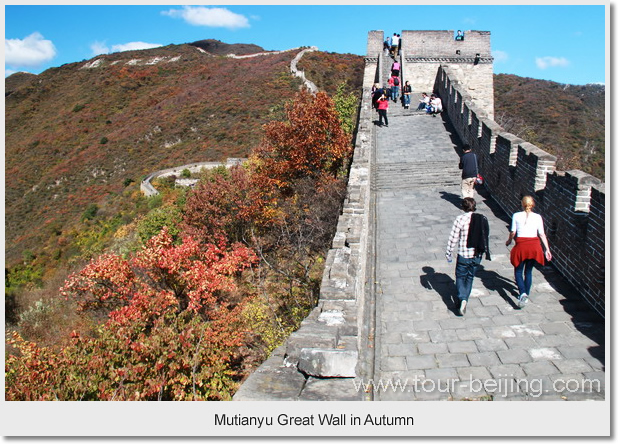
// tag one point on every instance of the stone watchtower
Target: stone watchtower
(468, 61)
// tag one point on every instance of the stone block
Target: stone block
(297, 342)
(272, 381)
(328, 363)
(452, 360)
(332, 389)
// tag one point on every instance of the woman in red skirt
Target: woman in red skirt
(527, 229)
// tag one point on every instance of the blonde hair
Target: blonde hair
(527, 202)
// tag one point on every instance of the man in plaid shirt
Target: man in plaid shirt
(467, 258)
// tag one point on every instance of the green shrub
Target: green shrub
(166, 216)
(90, 212)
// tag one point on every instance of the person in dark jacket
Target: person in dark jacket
(468, 165)
(469, 243)
(407, 91)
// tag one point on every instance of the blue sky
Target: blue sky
(562, 43)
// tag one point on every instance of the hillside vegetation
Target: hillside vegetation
(118, 296)
(76, 137)
(564, 120)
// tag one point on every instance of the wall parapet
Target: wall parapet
(572, 203)
(321, 359)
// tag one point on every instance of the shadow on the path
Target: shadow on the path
(585, 320)
(495, 208)
(506, 288)
(452, 198)
(443, 284)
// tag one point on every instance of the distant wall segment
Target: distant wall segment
(148, 190)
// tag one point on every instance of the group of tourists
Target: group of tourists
(469, 236)
(393, 45)
(469, 239)
(432, 105)
(380, 97)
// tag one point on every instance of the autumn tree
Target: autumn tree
(310, 143)
(227, 206)
(173, 330)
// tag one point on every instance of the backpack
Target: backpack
(396, 81)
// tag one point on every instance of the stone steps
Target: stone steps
(417, 175)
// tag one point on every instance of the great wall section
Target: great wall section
(146, 187)
(383, 310)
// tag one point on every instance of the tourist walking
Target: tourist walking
(382, 108)
(387, 44)
(393, 83)
(468, 165)
(528, 231)
(469, 238)
(395, 68)
(395, 45)
(376, 93)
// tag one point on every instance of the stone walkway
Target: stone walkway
(551, 350)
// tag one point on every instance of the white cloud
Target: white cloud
(99, 48)
(212, 17)
(134, 46)
(102, 48)
(32, 51)
(550, 61)
(500, 56)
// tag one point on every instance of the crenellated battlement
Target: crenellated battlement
(572, 203)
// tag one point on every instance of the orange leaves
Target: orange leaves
(228, 207)
(172, 332)
(160, 277)
(311, 143)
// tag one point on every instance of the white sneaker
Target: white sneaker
(462, 307)
(523, 300)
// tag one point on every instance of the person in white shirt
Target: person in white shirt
(528, 230)
(395, 45)
(436, 105)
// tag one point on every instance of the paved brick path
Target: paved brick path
(551, 350)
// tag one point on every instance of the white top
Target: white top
(437, 103)
(527, 226)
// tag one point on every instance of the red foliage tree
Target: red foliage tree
(311, 143)
(227, 207)
(173, 330)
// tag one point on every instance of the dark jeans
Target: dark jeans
(464, 275)
(382, 114)
(523, 276)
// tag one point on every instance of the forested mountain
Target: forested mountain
(80, 135)
(565, 120)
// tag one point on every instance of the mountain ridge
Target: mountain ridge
(85, 133)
